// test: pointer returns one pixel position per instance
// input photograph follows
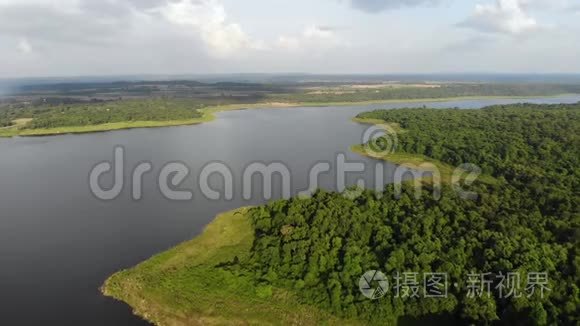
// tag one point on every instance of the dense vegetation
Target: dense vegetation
(47, 116)
(443, 91)
(528, 222)
(299, 261)
(187, 286)
(5, 121)
(532, 146)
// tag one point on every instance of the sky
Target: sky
(40, 38)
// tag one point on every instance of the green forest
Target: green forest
(67, 115)
(5, 122)
(528, 222)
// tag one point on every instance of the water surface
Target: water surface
(58, 243)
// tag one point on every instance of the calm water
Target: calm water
(58, 243)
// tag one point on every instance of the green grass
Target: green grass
(20, 131)
(409, 160)
(183, 286)
(378, 122)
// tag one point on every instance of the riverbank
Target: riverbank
(186, 286)
(11, 132)
(209, 115)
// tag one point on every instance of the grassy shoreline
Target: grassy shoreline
(209, 115)
(410, 161)
(98, 128)
(185, 286)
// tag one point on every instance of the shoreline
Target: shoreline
(100, 128)
(180, 286)
(410, 161)
(121, 287)
(209, 115)
(175, 287)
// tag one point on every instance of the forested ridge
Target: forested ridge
(528, 222)
(67, 115)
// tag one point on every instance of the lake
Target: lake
(58, 242)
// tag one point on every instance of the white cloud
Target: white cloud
(113, 21)
(312, 37)
(143, 36)
(208, 18)
(502, 16)
(84, 37)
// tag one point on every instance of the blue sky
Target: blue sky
(112, 37)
